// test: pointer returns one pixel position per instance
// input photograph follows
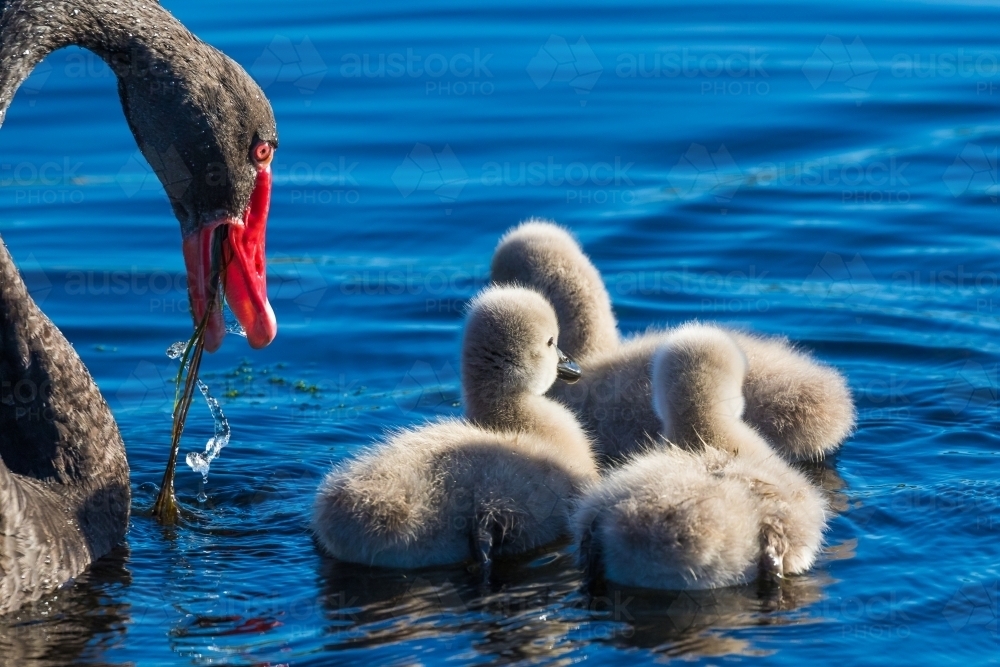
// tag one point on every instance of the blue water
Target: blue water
(825, 172)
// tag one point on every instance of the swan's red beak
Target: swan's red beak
(235, 247)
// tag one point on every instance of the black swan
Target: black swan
(209, 133)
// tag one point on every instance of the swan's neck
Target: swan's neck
(697, 428)
(526, 412)
(505, 413)
(588, 328)
(133, 36)
(545, 418)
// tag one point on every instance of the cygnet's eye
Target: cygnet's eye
(552, 341)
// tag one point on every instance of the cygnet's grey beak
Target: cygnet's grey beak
(567, 370)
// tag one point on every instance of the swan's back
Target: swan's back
(719, 509)
(671, 519)
(499, 482)
(64, 489)
(424, 496)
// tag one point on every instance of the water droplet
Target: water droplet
(201, 462)
(176, 350)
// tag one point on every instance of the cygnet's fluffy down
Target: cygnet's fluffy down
(499, 482)
(715, 506)
(801, 406)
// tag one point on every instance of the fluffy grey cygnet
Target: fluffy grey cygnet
(718, 507)
(801, 406)
(499, 482)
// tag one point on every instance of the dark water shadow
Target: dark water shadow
(824, 475)
(698, 623)
(77, 623)
(515, 615)
(541, 606)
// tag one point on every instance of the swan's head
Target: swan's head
(209, 133)
(697, 374)
(510, 345)
(545, 256)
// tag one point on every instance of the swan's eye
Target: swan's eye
(262, 153)
(552, 341)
